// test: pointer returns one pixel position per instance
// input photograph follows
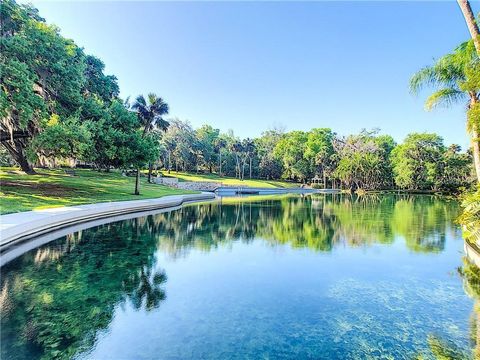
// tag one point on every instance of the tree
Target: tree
(416, 162)
(455, 77)
(471, 23)
(290, 150)
(42, 74)
(220, 144)
(363, 160)
(208, 140)
(455, 170)
(319, 151)
(47, 78)
(150, 113)
(269, 166)
(249, 153)
(69, 139)
(181, 143)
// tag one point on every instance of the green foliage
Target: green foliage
(63, 140)
(61, 311)
(45, 76)
(452, 77)
(364, 161)
(422, 162)
(290, 149)
(470, 217)
(208, 141)
(416, 162)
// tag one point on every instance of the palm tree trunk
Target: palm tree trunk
(476, 149)
(137, 183)
(471, 23)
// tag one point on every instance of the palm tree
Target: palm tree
(150, 113)
(471, 23)
(455, 78)
(219, 145)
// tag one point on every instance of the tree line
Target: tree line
(368, 160)
(58, 105)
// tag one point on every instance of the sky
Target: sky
(251, 66)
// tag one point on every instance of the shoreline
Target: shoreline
(19, 231)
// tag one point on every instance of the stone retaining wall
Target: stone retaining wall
(188, 185)
(199, 185)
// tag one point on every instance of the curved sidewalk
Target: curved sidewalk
(19, 227)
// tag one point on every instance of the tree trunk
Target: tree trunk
(169, 162)
(220, 171)
(137, 183)
(16, 151)
(476, 150)
(250, 168)
(150, 169)
(471, 23)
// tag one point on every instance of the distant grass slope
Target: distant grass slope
(54, 188)
(229, 181)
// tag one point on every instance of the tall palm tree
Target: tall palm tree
(455, 78)
(150, 113)
(471, 23)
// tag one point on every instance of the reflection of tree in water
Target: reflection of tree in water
(443, 349)
(55, 300)
(316, 222)
(471, 281)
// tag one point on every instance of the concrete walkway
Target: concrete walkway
(17, 228)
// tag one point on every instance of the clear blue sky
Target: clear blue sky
(249, 65)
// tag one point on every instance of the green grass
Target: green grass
(229, 181)
(54, 188)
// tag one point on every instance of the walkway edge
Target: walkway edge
(20, 227)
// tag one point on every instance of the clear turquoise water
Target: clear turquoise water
(253, 278)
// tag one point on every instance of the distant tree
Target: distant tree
(219, 145)
(363, 161)
(290, 150)
(150, 112)
(319, 152)
(249, 153)
(207, 142)
(181, 143)
(455, 170)
(417, 161)
(269, 166)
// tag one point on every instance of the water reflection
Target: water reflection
(316, 222)
(56, 300)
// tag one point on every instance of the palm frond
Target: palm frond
(443, 97)
(152, 98)
(424, 77)
(139, 103)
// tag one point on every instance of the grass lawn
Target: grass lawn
(229, 181)
(54, 188)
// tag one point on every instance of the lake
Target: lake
(294, 277)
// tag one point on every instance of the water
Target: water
(256, 278)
